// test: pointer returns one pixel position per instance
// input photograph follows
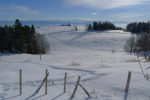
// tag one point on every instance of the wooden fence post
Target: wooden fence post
(46, 81)
(84, 90)
(76, 87)
(20, 81)
(40, 56)
(65, 82)
(128, 81)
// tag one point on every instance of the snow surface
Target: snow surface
(98, 57)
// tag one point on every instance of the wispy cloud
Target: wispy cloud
(105, 4)
(94, 13)
(18, 11)
(23, 10)
(128, 16)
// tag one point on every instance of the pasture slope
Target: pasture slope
(97, 57)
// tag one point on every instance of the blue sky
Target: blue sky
(112, 10)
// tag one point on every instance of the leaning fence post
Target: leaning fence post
(75, 89)
(20, 81)
(46, 81)
(84, 90)
(128, 81)
(65, 81)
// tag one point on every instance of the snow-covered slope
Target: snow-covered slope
(97, 57)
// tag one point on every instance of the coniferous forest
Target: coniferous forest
(101, 26)
(138, 27)
(20, 38)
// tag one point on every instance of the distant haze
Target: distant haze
(59, 22)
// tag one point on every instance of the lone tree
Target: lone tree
(130, 45)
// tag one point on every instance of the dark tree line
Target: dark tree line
(140, 40)
(138, 27)
(101, 26)
(20, 38)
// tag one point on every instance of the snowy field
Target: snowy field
(97, 57)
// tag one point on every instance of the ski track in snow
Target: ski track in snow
(73, 69)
